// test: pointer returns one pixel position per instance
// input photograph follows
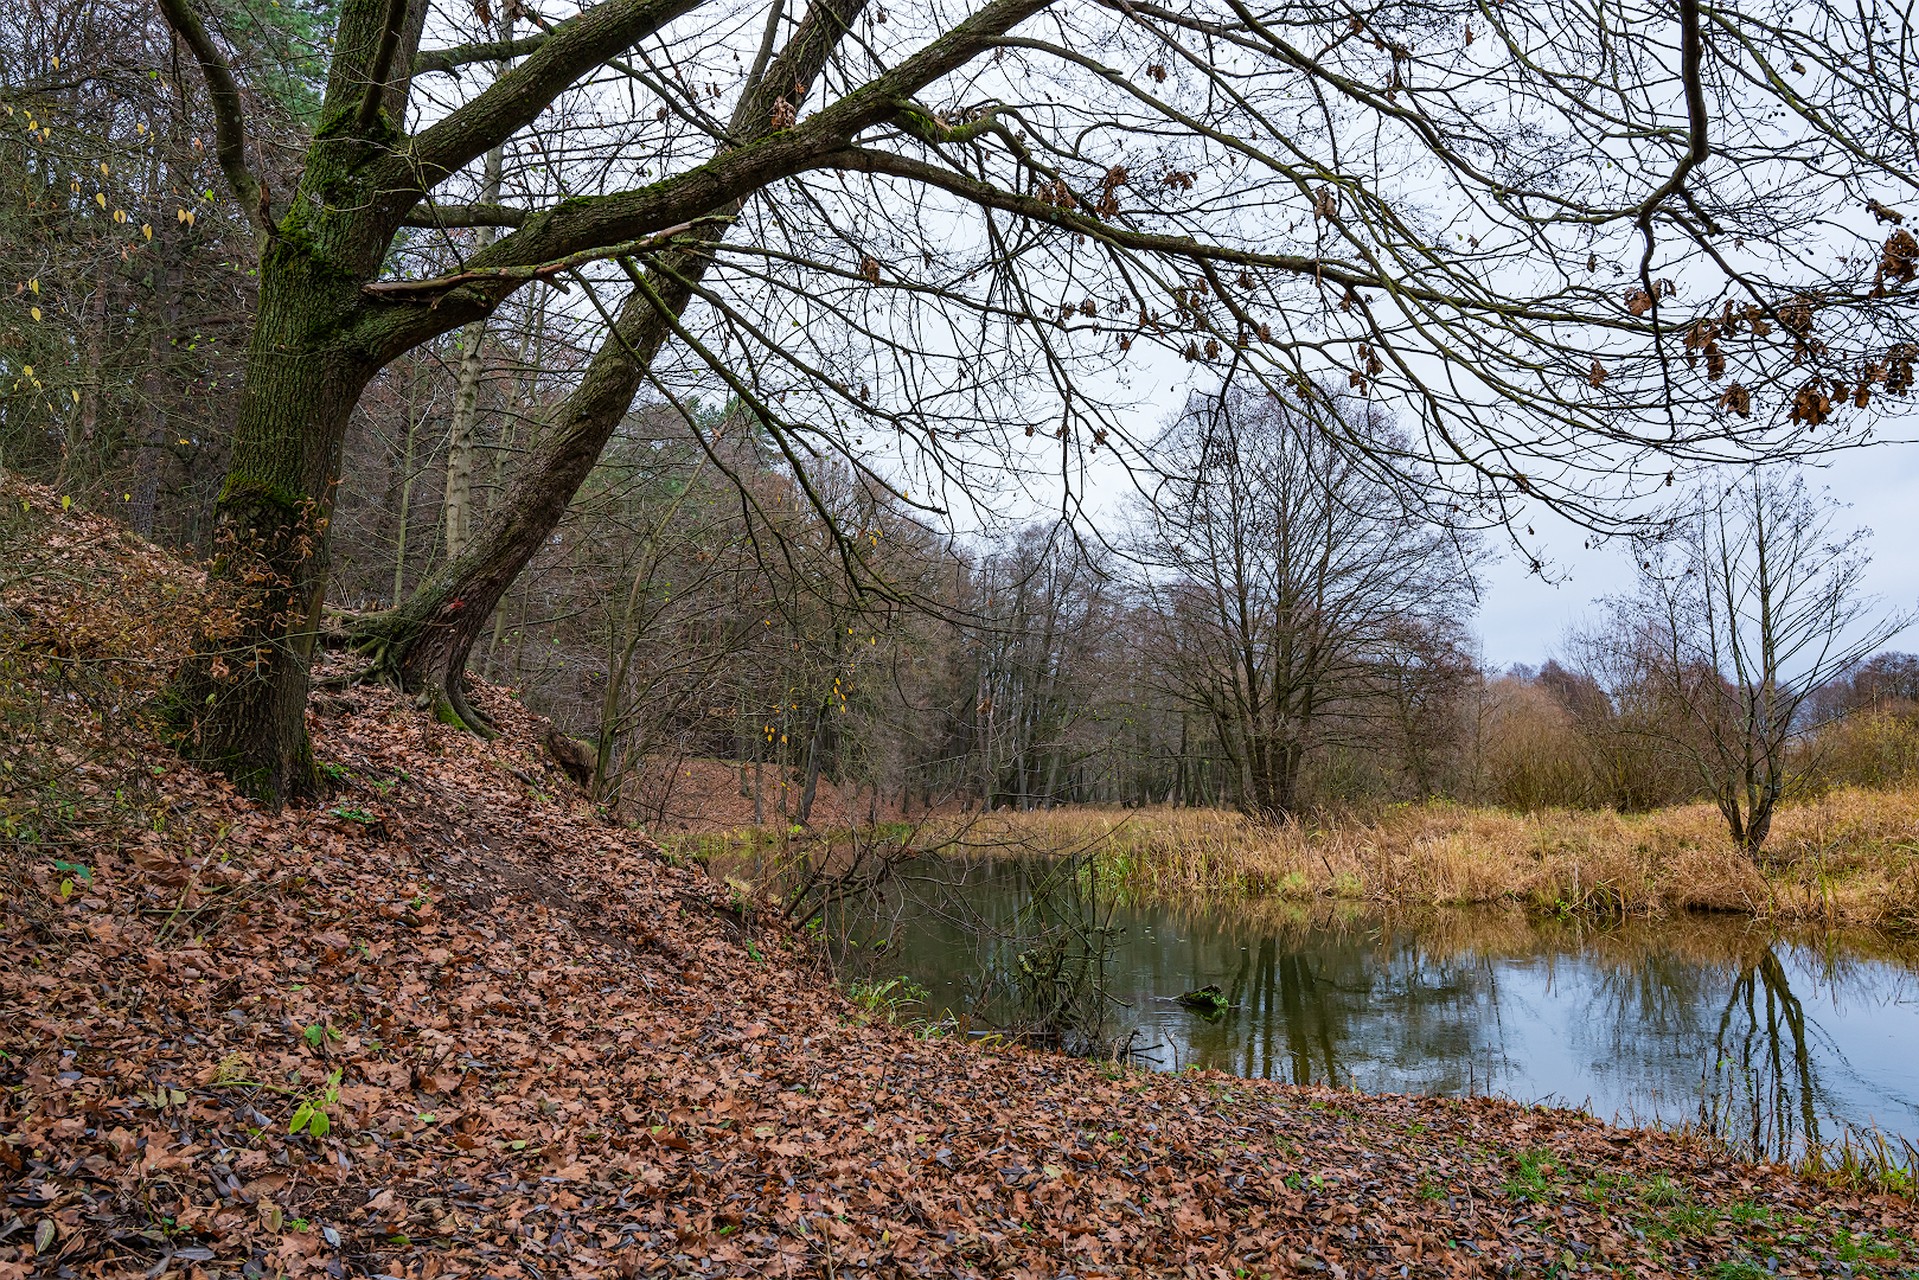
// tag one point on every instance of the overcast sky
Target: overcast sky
(1523, 619)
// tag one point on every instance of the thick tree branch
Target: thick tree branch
(576, 225)
(429, 214)
(449, 61)
(229, 113)
(390, 30)
(518, 97)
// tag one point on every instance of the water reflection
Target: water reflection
(1769, 1040)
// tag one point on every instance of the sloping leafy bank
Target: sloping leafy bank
(453, 1024)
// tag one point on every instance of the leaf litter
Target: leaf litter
(450, 1022)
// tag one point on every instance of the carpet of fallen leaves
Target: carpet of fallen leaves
(519, 1041)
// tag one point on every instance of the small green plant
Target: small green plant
(1532, 1181)
(313, 1115)
(360, 816)
(1207, 1001)
(887, 999)
(335, 772)
(1662, 1190)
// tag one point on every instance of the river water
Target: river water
(1767, 1038)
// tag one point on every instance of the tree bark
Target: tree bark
(461, 445)
(240, 704)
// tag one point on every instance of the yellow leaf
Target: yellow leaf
(180, 214)
(56, 64)
(126, 497)
(27, 371)
(119, 215)
(146, 229)
(74, 393)
(35, 312)
(34, 284)
(141, 127)
(104, 171)
(66, 501)
(100, 198)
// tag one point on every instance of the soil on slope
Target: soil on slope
(537, 1047)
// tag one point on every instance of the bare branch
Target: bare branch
(449, 61)
(229, 113)
(390, 31)
(519, 275)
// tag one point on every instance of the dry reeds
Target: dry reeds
(1848, 857)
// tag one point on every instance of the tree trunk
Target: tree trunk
(403, 507)
(240, 705)
(461, 447)
(815, 760)
(423, 644)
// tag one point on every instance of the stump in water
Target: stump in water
(1208, 1001)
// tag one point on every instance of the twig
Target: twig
(410, 289)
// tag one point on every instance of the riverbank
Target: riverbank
(450, 1022)
(1848, 858)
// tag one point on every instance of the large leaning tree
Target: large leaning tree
(938, 241)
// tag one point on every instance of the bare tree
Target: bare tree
(1289, 576)
(1744, 611)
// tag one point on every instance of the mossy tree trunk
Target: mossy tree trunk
(240, 705)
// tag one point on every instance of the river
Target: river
(1767, 1038)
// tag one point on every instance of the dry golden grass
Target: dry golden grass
(1850, 857)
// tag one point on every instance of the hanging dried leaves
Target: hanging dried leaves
(1812, 403)
(1898, 262)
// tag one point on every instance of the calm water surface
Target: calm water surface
(1769, 1038)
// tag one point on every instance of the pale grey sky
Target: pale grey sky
(1523, 619)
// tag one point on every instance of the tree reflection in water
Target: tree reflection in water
(1761, 1088)
(1771, 1043)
